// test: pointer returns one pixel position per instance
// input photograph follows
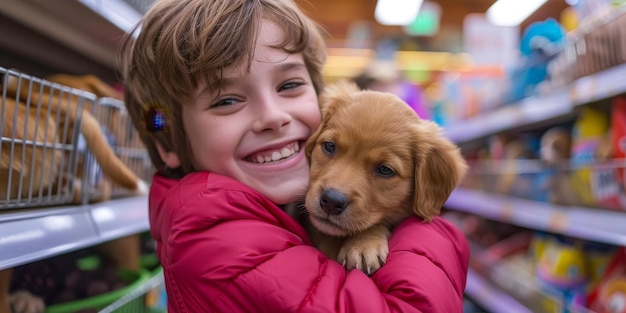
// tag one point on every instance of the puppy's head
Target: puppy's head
(88, 83)
(373, 160)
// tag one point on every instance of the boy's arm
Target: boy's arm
(255, 266)
(425, 272)
(427, 265)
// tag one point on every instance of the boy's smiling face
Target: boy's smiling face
(253, 127)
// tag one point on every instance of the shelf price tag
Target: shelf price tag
(507, 211)
(558, 222)
(584, 90)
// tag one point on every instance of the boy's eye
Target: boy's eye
(290, 85)
(224, 103)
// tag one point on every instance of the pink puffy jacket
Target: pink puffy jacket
(226, 248)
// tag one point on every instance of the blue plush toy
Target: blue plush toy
(539, 44)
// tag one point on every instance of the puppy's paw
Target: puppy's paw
(366, 251)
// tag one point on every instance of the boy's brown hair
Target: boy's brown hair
(183, 43)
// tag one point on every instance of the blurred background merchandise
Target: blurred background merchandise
(535, 96)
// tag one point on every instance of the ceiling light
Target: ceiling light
(512, 12)
(396, 12)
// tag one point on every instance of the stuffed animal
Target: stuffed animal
(540, 43)
(556, 145)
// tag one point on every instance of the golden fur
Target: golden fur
(41, 166)
(90, 128)
(373, 162)
(115, 169)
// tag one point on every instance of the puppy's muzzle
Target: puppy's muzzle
(333, 202)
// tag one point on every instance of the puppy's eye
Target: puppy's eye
(384, 171)
(328, 147)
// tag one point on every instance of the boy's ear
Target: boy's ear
(170, 158)
(439, 168)
(333, 97)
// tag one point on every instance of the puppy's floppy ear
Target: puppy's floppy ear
(333, 96)
(439, 167)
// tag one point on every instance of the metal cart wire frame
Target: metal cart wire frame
(124, 139)
(39, 141)
(141, 299)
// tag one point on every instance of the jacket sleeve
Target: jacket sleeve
(254, 264)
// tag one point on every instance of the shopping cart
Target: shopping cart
(124, 139)
(40, 129)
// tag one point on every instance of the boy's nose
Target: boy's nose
(271, 116)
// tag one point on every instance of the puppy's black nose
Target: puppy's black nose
(333, 202)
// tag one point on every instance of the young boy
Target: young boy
(224, 93)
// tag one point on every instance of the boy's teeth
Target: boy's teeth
(285, 152)
(277, 155)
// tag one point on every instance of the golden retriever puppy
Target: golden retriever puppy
(22, 163)
(373, 162)
(53, 100)
(101, 188)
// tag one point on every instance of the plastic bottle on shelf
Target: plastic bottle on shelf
(562, 271)
(590, 185)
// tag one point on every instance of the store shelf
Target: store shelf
(526, 112)
(533, 110)
(31, 235)
(118, 218)
(586, 223)
(603, 85)
(490, 297)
